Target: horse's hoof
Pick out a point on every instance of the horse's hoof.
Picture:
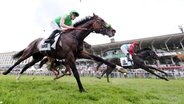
(55, 79)
(166, 79)
(5, 73)
(82, 90)
(98, 77)
(121, 69)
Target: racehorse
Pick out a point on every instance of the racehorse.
(138, 62)
(69, 47)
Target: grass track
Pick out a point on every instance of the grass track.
(43, 90)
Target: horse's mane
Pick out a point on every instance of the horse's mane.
(82, 21)
(143, 49)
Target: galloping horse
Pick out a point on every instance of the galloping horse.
(138, 60)
(69, 46)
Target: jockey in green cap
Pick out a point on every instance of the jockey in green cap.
(61, 24)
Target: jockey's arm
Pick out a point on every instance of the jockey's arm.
(132, 49)
(62, 24)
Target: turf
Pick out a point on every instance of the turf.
(43, 90)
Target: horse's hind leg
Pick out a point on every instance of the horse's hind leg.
(108, 72)
(158, 70)
(152, 72)
(107, 78)
(43, 61)
(18, 62)
(34, 60)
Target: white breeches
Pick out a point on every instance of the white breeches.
(124, 49)
(54, 25)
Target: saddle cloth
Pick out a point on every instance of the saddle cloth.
(42, 46)
(125, 62)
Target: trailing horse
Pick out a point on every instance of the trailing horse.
(69, 47)
(138, 62)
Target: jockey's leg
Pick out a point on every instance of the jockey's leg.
(50, 39)
(129, 57)
(125, 52)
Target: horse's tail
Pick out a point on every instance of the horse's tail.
(19, 54)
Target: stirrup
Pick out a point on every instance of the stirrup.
(49, 41)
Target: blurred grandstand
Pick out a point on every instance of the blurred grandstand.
(166, 46)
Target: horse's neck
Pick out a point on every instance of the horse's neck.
(82, 34)
(143, 54)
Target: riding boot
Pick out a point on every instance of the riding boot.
(128, 57)
(50, 39)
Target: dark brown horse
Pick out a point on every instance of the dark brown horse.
(69, 46)
(138, 60)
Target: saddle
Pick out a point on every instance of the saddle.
(43, 46)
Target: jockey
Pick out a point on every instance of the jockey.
(129, 49)
(61, 24)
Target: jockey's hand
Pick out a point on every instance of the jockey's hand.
(134, 54)
(66, 29)
(71, 27)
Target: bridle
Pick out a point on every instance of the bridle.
(104, 26)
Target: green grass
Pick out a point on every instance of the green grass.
(43, 90)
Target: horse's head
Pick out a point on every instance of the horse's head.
(100, 26)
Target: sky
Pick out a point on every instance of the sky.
(22, 21)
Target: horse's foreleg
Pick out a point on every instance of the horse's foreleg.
(157, 70)
(84, 54)
(71, 62)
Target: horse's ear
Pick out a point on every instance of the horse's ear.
(94, 15)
